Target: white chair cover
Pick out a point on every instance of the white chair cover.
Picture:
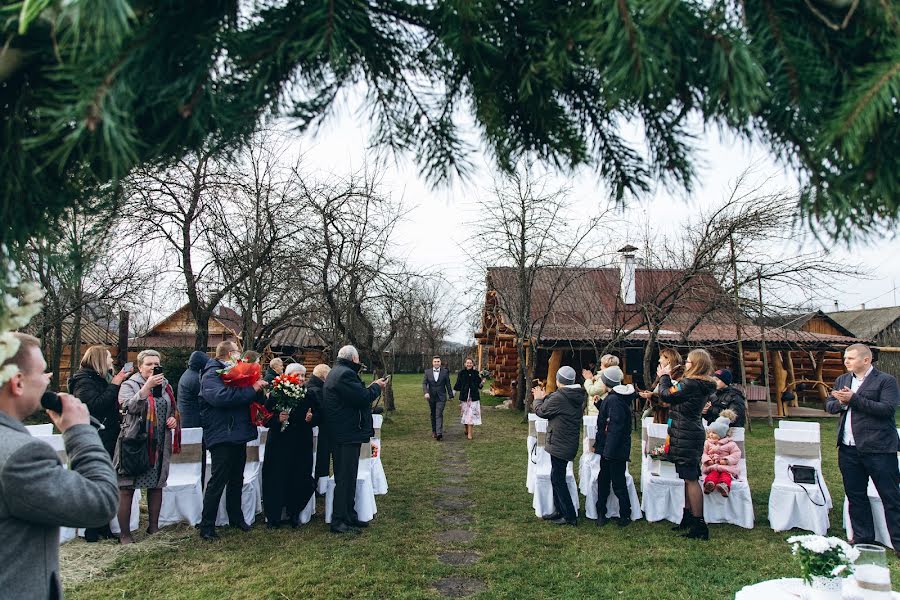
(882, 535)
(251, 492)
(66, 534)
(737, 508)
(365, 497)
(379, 479)
(589, 472)
(543, 490)
(805, 425)
(794, 504)
(535, 453)
(663, 495)
(182, 500)
(645, 451)
(589, 462)
(43, 430)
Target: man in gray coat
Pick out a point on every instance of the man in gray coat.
(562, 409)
(37, 493)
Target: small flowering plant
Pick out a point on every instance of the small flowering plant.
(660, 453)
(287, 392)
(821, 556)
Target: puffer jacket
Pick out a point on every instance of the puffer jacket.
(686, 433)
(714, 451)
(189, 390)
(347, 405)
(563, 409)
(224, 410)
(102, 400)
(728, 398)
(613, 439)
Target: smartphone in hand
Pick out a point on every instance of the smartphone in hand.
(128, 367)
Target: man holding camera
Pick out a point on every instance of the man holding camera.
(37, 493)
(867, 399)
(225, 416)
(347, 415)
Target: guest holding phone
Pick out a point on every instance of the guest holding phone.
(148, 403)
(96, 386)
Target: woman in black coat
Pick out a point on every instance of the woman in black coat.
(687, 399)
(287, 477)
(95, 385)
(468, 383)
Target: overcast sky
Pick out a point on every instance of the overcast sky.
(431, 234)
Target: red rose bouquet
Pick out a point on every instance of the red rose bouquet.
(241, 374)
(288, 392)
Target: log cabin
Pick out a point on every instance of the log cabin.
(583, 313)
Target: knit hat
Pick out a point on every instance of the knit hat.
(724, 375)
(565, 375)
(720, 426)
(611, 376)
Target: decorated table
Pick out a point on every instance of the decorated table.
(792, 589)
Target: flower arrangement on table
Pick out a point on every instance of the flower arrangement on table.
(821, 556)
(287, 392)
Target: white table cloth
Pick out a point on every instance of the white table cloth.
(789, 588)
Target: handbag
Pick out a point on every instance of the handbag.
(802, 474)
(134, 459)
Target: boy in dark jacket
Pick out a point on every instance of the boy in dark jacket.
(189, 390)
(725, 397)
(613, 444)
(225, 417)
(563, 409)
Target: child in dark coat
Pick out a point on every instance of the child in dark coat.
(613, 444)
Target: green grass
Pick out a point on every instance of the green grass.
(522, 557)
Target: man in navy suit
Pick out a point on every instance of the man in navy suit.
(437, 389)
(868, 443)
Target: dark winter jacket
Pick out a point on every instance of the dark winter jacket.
(224, 410)
(270, 375)
(189, 390)
(874, 405)
(347, 405)
(686, 433)
(613, 439)
(314, 393)
(728, 398)
(102, 400)
(563, 409)
(468, 381)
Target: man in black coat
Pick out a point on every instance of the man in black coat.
(436, 386)
(613, 444)
(867, 442)
(347, 415)
(189, 390)
(563, 410)
(725, 398)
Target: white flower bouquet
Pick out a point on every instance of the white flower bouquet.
(821, 556)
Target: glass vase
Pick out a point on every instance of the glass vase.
(873, 578)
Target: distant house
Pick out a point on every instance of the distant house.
(879, 324)
(301, 344)
(605, 306)
(92, 334)
(178, 330)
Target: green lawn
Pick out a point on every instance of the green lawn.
(522, 557)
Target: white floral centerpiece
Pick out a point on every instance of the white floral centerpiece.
(20, 302)
(823, 562)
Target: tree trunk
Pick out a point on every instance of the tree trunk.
(56, 354)
(75, 348)
(122, 356)
(201, 337)
(378, 371)
(520, 398)
(648, 361)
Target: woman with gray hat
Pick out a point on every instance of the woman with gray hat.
(613, 443)
(562, 409)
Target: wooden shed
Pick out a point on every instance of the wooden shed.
(301, 344)
(879, 324)
(178, 330)
(591, 315)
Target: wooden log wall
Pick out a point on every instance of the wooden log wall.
(499, 348)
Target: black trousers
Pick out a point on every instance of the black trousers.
(612, 474)
(227, 471)
(323, 454)
(346, 465)
(562, 501)
(856, 469)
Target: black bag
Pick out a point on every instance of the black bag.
(801, 474)
(134, 459)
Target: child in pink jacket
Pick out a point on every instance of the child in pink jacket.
(720, 456)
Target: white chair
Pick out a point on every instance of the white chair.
(645, 451)
(802, 425)
(882, 536)
(379, 479)
(737, 508)
(589, 473)
(542, 501)
(794, 504)
(365, 494)
(182, 500)
(251, 491)
(534, 453)
(43, 430)
(663, 494)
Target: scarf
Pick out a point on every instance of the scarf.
(152, 424)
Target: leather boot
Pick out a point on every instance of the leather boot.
(686, 519)
(698, 531)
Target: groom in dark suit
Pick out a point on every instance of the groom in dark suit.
(436, 386)
(867, 399)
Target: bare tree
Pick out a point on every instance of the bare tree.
(528, 228)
